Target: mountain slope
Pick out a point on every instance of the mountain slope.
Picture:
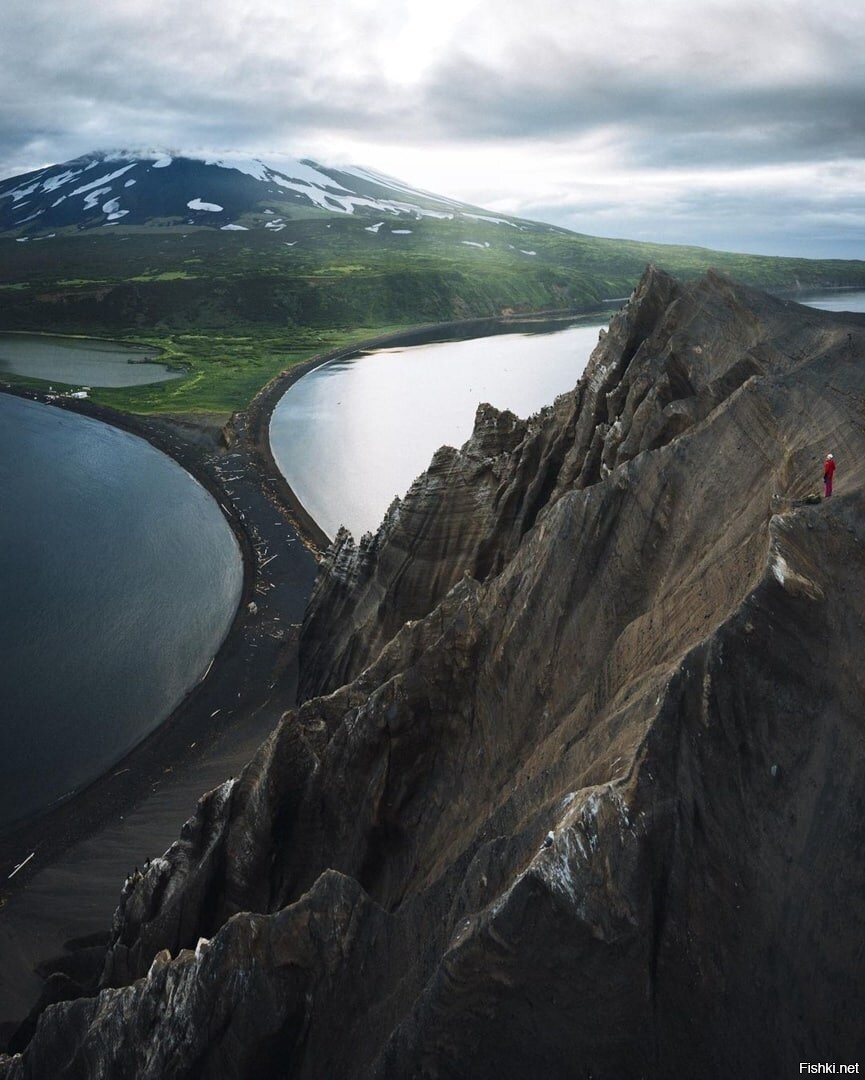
(234, 268)
(230, 193)
(591, 805)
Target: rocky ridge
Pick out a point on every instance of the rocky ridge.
(576, 786)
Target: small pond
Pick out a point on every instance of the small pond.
(81, 361)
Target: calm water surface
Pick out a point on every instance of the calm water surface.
(835, 300)
(353, 434)
(81, 361)
(119, 579)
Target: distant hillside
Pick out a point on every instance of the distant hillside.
(575, 784)
(208, 258)
(232, 194)
(124, 240)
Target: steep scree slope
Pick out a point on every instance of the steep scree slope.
(582, 795)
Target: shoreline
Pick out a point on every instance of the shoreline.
(61, 887)
(198, 448)
(147, 795)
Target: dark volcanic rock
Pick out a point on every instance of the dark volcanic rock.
(582, 791)
(672, 357)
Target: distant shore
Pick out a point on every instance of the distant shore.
(199, 448)
(136, 808)
(197, 445)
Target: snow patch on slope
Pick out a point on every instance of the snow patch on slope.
(93, 198)
(107, 179)
(491, 220)
(22, 193)
(54, 182)
(112, 209)
(395, 185)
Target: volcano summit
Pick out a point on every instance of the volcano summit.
(103, 189)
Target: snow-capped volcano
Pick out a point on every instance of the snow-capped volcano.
(229, 193)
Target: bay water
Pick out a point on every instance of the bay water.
(119, 578)
(353, 434)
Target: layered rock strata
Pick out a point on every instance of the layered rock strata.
(576, 789)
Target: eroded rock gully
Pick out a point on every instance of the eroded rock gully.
(577, 786)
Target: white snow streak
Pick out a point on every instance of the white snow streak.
(396, 185)
(54, 182)
(102, 180)
(492, 220)
(93, 198)
(197, 204)
(20, 193)
(324, 192)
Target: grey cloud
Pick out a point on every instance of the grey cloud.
(660, 120)
(181, 72)
(667, 86)
(180, 77)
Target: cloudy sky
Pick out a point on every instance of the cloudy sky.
(735, 124)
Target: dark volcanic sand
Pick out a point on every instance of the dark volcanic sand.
(86, 847)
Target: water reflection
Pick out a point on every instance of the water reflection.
(353, 434)
(81, 361)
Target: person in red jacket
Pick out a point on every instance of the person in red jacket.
(828, 473)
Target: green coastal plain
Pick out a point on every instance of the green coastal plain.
(234, 309)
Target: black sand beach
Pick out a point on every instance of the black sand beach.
(73, 859)
(79, 853)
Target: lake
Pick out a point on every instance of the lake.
(834, 299)
(81, 361)
(119, 579)
(352, 434)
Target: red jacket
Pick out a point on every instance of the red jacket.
(828, 469)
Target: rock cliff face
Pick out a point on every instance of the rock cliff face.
(576, 789)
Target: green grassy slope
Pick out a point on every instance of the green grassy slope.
(236, 307)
